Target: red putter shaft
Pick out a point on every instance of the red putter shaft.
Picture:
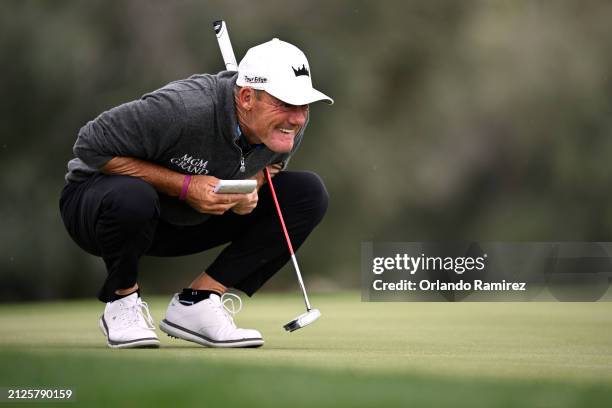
(278, 211)
(293, 258)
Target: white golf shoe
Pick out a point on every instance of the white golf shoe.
(127, 323)
(208, 323)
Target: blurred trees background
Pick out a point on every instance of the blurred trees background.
(485, 120)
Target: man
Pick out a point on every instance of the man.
(142, 184)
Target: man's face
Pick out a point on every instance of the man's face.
(276, 123)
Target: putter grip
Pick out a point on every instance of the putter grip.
(225, 45)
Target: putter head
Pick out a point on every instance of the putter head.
(303, 320)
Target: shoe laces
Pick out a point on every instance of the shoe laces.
(227, 307)
(135, 313)
(227, 300)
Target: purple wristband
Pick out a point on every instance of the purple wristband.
(186, 182)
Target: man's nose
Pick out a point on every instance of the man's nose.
(299, 115)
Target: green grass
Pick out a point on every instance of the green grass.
(357, 355)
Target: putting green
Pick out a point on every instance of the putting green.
(357, 354)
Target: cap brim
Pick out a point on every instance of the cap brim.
(306, 98)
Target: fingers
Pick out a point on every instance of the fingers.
(275, 169)
(247, 205)
(216, 209)
(213, 203)
(220, 198)
(239, 203)
(205, 200)
(243, 210)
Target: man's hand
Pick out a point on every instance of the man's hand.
(261, 178)
(202, 198)
(248, 204)
(275, 169)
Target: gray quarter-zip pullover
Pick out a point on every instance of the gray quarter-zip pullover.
(188, 126)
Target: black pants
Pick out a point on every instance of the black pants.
(117, 218)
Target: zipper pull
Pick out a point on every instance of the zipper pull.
(242, 166)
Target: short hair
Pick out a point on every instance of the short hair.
(258, 92)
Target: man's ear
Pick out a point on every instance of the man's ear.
(246, 97)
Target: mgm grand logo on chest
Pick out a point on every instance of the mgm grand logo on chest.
(191, 164)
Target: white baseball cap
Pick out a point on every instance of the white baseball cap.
(282, 70)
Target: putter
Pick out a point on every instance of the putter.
(231, 65)
(311, 314)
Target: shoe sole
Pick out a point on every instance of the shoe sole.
(145, 342)
(178, 332)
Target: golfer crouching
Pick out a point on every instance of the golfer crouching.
(142, 182)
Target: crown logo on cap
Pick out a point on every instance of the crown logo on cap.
(301, 71)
